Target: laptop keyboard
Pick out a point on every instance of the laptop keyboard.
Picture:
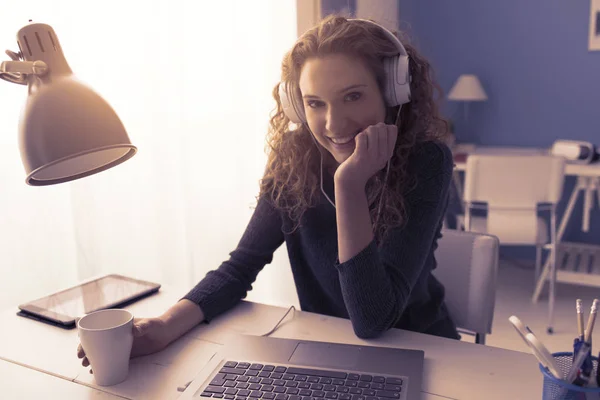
(246, 381)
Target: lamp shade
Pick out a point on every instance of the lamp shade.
(67, 132)
(467, 88)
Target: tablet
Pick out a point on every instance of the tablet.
(65, 307)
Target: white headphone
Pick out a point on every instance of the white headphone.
(397, 81)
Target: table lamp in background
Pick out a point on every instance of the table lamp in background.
(466, 89)
(67, 131)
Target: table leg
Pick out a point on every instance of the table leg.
(581, 185)
(553, 268)
(587, 204)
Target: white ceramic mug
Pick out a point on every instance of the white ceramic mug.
(107, 337)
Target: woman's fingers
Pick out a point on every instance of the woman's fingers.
(80, 352)
(382, 144)
(381, 139)
(362, 143)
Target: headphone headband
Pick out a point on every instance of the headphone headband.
(396, 89)
(388, 34)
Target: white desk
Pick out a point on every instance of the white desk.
(18, 382)
(452, 369)
(588, 178)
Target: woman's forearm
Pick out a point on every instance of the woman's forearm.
(180, 318)
(354, 227)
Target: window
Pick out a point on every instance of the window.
(192, 83)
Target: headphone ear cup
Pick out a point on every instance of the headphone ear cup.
(397, 82)
(292, 109)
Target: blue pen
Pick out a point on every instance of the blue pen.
(575, 373)
(598, 373)
(586, 366)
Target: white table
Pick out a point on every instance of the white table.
(452, 369)
(588, 178)
(588, 183)
(18, 382)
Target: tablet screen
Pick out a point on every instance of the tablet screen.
(105, 292)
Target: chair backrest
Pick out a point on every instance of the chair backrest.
(467, 266)
(515, 181)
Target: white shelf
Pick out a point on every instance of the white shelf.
(578, 264)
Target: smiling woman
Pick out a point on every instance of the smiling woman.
(184, 98)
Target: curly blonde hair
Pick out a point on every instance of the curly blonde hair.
(292, 176)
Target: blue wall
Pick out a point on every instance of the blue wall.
(532, 59)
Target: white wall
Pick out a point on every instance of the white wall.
(383, 11)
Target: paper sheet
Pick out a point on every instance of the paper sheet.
(245, 319)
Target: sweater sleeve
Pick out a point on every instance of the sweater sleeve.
(377, 282)
(224, 287)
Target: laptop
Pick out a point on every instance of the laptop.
(255, 367)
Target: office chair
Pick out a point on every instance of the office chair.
(467, 266)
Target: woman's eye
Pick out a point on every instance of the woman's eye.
(314, 103)
(353, 96)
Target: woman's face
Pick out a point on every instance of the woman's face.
(341, 98)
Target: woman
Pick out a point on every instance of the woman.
(357, 189)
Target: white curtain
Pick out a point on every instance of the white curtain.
(192, 82)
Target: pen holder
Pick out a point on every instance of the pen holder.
(558, 389)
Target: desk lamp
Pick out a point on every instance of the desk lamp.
(66, 131)
(467, 88)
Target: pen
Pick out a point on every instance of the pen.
(582, 366)
(578, 362)
(590, 325)
(579, 319)
(598, 373)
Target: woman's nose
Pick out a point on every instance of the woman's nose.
(337, 121)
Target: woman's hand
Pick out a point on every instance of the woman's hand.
(374, 147)
(149, 336)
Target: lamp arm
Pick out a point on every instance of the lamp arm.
(14, 78)
(17, 71)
